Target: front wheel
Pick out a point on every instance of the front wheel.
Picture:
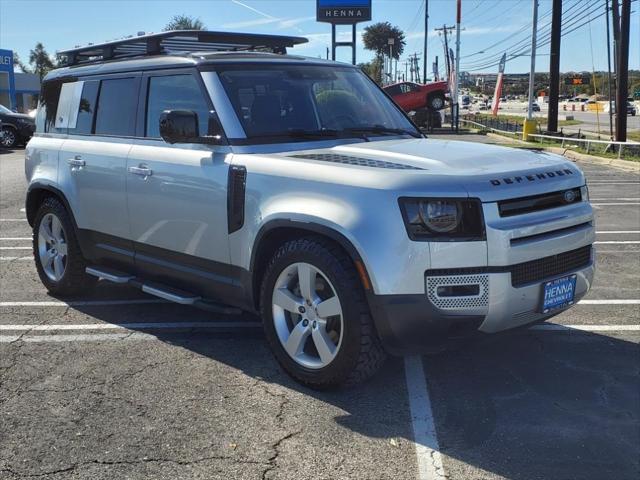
(316, 319)
(8, 137)
(59, 261)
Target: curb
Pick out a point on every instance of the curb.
(625, 165)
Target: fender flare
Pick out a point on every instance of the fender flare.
(38, 187)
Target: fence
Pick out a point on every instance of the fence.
(629, 150)
(490, 123)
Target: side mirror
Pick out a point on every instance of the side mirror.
(179, 126)
(182, 126)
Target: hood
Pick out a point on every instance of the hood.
(20, 116)
(489, 172)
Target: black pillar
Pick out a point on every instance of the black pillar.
(623, 72)
(554, 67)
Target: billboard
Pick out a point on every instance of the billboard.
(343, 12)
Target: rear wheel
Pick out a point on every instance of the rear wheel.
(58, 258)
(436, 101)
(316, 318)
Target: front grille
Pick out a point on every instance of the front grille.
(536, 203)
(538, 270)
(528, 272)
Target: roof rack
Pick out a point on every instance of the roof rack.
(180, 41)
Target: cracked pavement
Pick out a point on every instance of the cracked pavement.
(193, 404)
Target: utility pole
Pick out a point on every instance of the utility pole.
(457, 77)
(445, 30)
(530, 124)
(623, 72)
(554, 66)
(606, 17)
(426, 38)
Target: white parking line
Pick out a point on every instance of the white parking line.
(13, 219)
(618, 199)
(16, 248)
(613, 204)
(616, 231)
(144, 301)
(618, 241)
(613, 183)
(554, 327)
(609, 302)
(104, 337)
(11, 259)
(129, 326)
(424, 428)
(15, 239)
(84, 303)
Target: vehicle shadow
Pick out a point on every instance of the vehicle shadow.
(532, 405)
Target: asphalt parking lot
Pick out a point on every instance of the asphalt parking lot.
(121, 385)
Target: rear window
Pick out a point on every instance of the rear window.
(117, 104)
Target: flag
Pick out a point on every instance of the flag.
(498, 93)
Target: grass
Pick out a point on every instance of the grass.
(513, 118)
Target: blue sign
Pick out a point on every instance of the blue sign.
(343, 11)
(7, 79)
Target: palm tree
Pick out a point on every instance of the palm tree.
(40, 61)
(376, 38)
(184, 22)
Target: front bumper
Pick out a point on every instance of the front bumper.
(417, 323)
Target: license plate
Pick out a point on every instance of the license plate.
(558, 293)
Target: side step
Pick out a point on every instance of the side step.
(162, 291)
(109, 274)
(171, 294)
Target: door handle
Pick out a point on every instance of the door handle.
(76, 161)
(142, 171)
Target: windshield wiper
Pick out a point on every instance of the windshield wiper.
(300, 133)
(382, 130)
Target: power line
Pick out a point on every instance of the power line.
(590, 10)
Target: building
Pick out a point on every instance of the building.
(18, 91)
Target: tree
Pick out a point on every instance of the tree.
(40, 61)
(376, 38)
(373, 69)
(184, 22)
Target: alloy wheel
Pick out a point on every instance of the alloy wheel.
(307, 315)
(52, 247)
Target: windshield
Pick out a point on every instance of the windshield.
(282, 102)
(4, 109)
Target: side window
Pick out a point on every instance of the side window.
(86, 108)
(174, 92)
(49, 98)
(117, 104)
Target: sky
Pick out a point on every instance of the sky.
(490, 27)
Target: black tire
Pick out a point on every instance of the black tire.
(9, 137)
(75, 280)
(361, 354)
(436, 101)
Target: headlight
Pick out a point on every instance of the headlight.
(443, 219)
(584, 193)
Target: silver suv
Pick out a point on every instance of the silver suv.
(239, 178)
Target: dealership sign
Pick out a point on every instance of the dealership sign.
(343, 11)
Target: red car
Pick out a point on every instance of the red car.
(414, 96)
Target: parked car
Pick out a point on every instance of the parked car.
(294, 188)
(17, 128)
(414, 96)
(631, 108)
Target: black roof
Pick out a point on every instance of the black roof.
(175, 41)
